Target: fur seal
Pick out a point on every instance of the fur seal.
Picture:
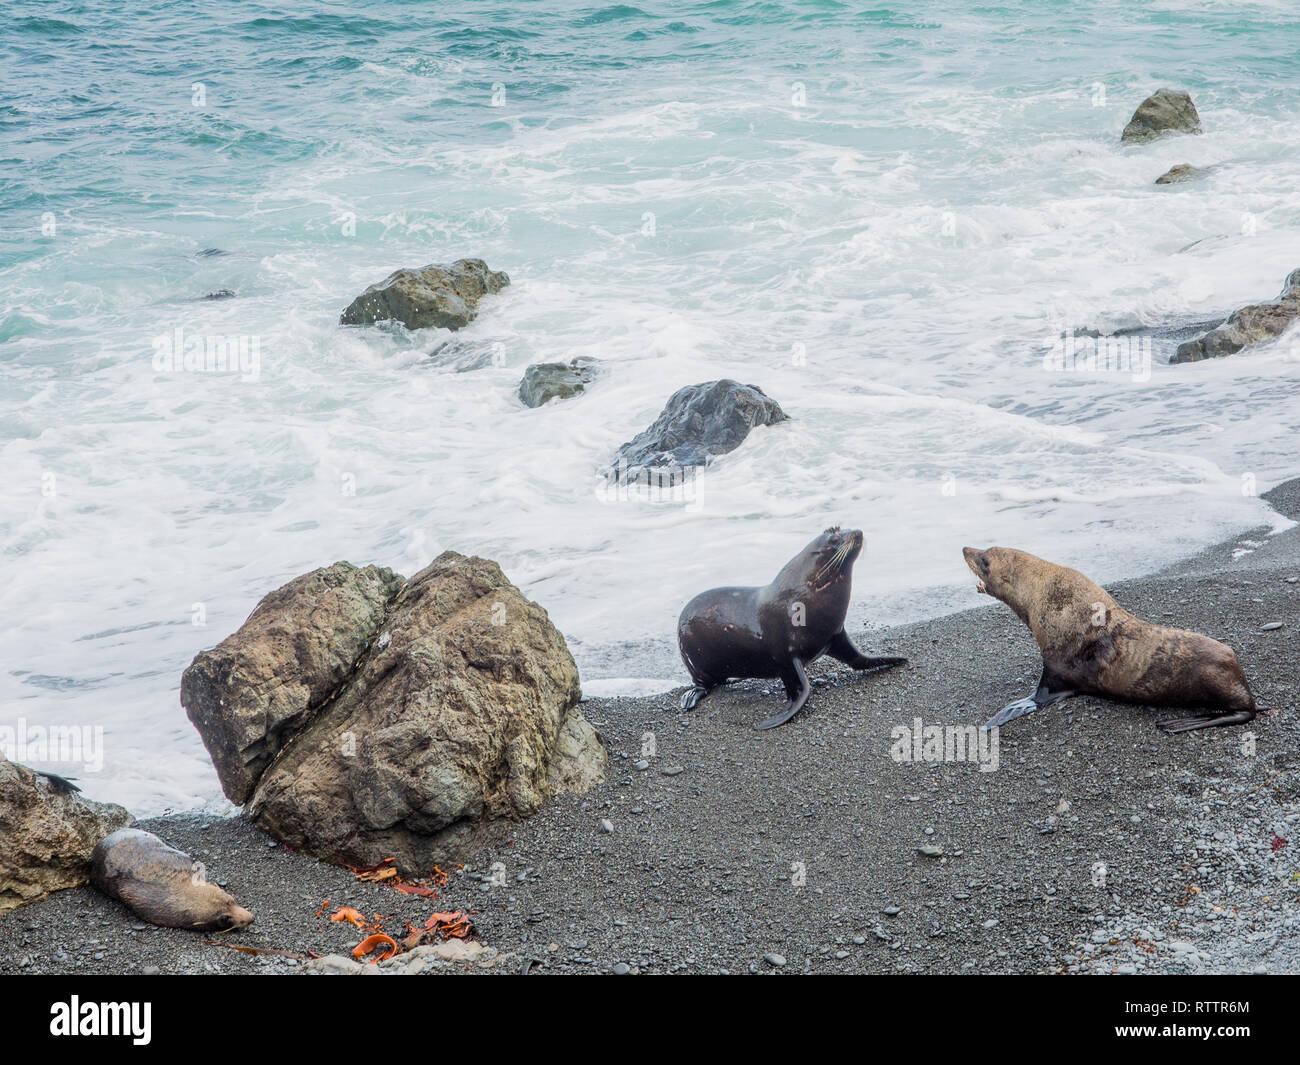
(1093, 646)
(161, 884)
(777, 630)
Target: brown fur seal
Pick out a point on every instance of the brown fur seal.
(1093, 646)
(777, 630)
(161, 884)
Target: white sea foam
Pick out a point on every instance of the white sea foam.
(888, 261)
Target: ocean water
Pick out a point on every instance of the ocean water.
(879, 213)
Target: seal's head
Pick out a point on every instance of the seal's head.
(229, 918)
(833, 554)
(209, 909)
(998, 570)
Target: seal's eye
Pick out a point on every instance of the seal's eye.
(225, 921)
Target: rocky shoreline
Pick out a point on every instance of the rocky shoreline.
(400, 726)
(1098, 844)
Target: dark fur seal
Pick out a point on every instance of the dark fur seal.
(1093, 646)
(161, 884)
(776, 631)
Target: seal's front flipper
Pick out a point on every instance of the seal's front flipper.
(842, 650)
(1011, 711)
(1044, 696)
(1207, 720)
(797, 687)
(692, 697)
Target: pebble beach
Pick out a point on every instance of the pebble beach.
(1096, 845)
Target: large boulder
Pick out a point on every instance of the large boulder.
(1164, 112)
(458, 718)
(697, 423)
(1246, 325)
(444, 297)
(255, 690)
(49, 831)
(545, 381)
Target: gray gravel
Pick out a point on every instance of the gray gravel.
(1098, 845)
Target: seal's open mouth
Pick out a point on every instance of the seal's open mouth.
(978, 566)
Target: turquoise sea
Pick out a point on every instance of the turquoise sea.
(881, 214)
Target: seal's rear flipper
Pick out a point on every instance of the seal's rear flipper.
(797, 687)
(880, 663)
(1206, 720)
(841, 649)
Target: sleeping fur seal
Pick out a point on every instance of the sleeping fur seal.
(161, 884)
(1091, 645)
(777, 630)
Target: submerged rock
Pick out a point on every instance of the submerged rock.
(1175, 175)
(461, 354)
(433, 296)
(1164, 112)
(50, 831)
(545, 381)
(1246, 325)
(418, 719)
(220, 294)
(697, 423)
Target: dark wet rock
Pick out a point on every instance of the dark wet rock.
(415, 720)
(434, 296)
(1254, 324)
(697, 423)
(49, 830)
(1176, 175)
(210, 253)
(545, 381)
(1165, 336)
(1161, 114)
